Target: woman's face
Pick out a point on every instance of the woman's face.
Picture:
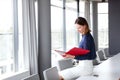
(80, 28)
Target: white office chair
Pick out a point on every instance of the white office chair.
(32, 77)
(101, 55)
(51, 74)
(97, 60)
(65, 63)
(106, 51)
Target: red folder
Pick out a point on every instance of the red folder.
(77, 51)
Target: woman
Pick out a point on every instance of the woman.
(85, 66)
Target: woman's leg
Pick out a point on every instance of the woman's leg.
(61, 78)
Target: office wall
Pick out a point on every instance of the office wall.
(114, 26)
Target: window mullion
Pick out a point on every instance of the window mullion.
(15, 21)
(64, 25)
(78, 12)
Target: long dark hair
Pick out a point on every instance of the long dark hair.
(83, 21)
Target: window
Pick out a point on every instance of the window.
(6, 37)
(82, 8)
(103, 25)
(56, 28)
(71, 4)
(71, 32)
(11, 37)
(57, 3)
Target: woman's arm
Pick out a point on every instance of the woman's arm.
(68, 56)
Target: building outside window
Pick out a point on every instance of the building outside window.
(103, 29)
(57, 27)
(11, 37)
(71, 32)
(6, 37)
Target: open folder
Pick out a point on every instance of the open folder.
(74, 51)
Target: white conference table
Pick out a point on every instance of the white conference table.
(107, 70)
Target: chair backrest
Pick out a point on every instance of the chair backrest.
(96, 62)
(51, 74)
(64, 64)
(32, 77)
(101, 55)
(106, 51)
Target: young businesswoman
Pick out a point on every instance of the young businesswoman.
(85, 66)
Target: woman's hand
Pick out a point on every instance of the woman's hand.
(68, 56)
